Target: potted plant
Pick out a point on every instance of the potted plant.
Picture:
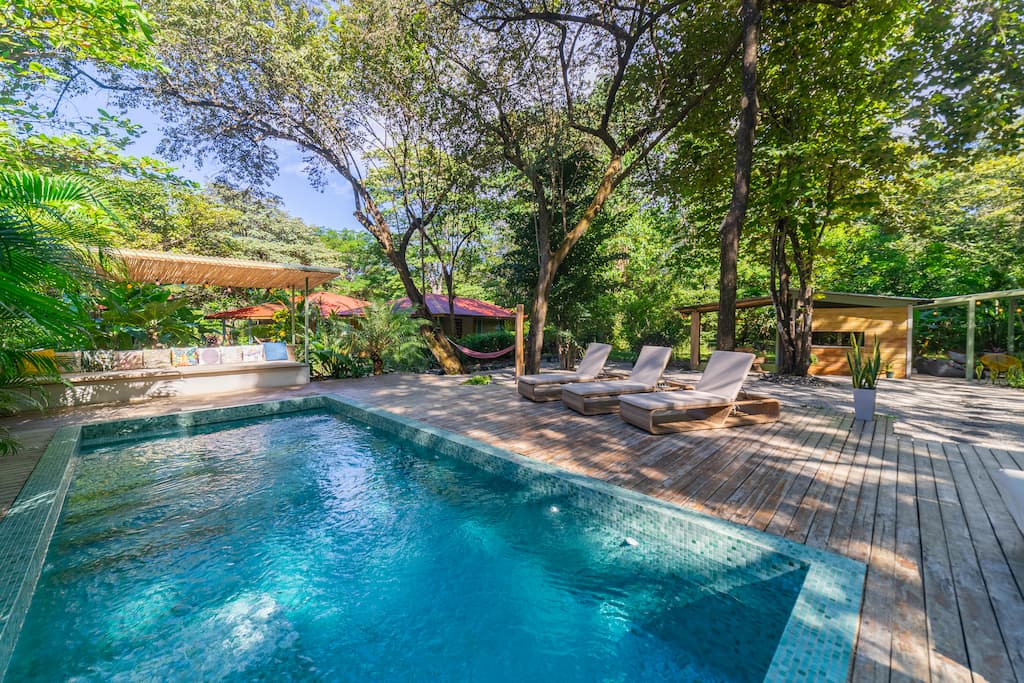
(865, 375)
(889, 372)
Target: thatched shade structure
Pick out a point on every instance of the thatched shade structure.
(168, 268)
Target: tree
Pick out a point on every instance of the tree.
(732, 225)
(344, 85)
(610, 78)
(827, 138)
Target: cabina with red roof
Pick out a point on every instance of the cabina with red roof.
(471, 316)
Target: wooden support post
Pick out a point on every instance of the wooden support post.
(305, 324)
(1011, 314)
(293, 314)
(223, 332)
(248, 327)
(910, 342)
(969, 370)
(520, 346)
(694, 340)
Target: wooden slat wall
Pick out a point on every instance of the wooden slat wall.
(890, 324)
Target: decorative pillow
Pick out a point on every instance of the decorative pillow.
(181, 357)
(209, 356)
(69, 361)
(156, 358)
(231, 354)
(252, 353)
(127, 360)
(31, 368)
(97, 361)
(275, 350)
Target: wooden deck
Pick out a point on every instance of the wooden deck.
(944, 593)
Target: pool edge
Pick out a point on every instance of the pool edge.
(26, 531)
(829, 602)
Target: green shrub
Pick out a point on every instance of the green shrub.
(488, 342)
(478, 380)
(1015, 378)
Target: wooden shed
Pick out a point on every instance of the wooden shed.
(837, 315)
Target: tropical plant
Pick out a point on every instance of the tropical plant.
(331, 354)
(386, 336)
(136, 316)
(863, 372)
(46, 226)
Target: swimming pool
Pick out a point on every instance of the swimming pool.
(329, 541)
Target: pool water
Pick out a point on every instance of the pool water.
(308, 547)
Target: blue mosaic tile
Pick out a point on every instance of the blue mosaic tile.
(818, 639)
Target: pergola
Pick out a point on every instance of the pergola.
(189, 269)
(823, 299)
(971, 301)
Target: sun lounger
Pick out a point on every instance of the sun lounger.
(596, 398)
(548, 386)
(715, 402)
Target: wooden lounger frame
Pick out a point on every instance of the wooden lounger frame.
(747, 409)
(593, 405)
(553, 392)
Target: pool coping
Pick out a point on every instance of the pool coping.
(816, 644)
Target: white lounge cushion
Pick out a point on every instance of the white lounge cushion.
(610, 388)
(593, 360)
(675, 400)
(551, 378)
(1011, 486)
(725, 373)
(650, 365)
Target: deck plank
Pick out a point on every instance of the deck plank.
(944, 589)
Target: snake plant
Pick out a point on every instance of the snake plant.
(863, 372)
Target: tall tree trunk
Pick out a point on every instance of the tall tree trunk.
(794, 306)
(732, 225)
(548, 260)
(539, 312)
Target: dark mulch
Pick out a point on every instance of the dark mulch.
(793, 380)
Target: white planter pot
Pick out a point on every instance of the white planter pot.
(864, 404)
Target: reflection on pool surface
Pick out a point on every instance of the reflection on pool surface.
(309, 547)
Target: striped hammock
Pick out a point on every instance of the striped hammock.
(480, 355)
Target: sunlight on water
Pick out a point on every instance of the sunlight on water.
(308, 548)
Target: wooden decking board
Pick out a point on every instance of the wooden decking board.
(988, 658)
(852, 489)
(1004, 598)
(819, 503)
(947, 650)
(775, 469)
(758, 510)
(982, 462)
(909, 656)
(738, 487)
(780, 520)
(875, 529)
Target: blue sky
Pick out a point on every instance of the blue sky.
(332, 207)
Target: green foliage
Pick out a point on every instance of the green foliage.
(143, 316)
(864, 373)
(1015, 378)
(477, 380)
(331, 351)
(387, 338)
